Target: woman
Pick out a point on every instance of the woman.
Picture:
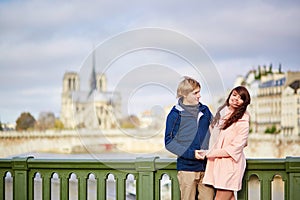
(226, 161)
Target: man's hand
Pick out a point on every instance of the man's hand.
(200, 154)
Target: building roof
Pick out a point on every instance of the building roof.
(273, 83)
(295, 85)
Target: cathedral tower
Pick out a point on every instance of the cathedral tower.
(71, 83)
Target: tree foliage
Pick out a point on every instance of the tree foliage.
(46, 121)
(25, 121)
(1, 128)
(58, 124)
(272, 130)
(131, 121)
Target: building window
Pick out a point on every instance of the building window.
(100, 85)
(70, 84)
(74, 84)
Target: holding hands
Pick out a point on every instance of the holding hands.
(200, 154)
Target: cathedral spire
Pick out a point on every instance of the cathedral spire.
(93, 80)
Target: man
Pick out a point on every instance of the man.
(187, 131)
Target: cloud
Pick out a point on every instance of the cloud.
(41, 40)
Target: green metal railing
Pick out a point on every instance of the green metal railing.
(147, 172)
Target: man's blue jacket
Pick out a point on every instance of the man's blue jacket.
(185, 144)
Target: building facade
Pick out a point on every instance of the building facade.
(95, 108)
(290, 109)
(275, 107)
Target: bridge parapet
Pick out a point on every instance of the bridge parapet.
(101, 179)
(140, 133)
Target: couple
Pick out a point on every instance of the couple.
(210, 161)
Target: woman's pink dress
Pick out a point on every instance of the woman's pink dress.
(226, 169)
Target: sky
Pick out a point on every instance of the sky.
(144, 47)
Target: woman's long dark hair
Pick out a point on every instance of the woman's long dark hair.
(238, 112)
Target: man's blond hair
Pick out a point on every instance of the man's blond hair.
(186, 86)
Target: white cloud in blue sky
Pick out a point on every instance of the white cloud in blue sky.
(41, 40)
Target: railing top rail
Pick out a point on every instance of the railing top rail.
(140, 164)
(288, 163)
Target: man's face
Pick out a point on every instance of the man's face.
(192, 98)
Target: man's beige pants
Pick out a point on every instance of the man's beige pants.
(189, 182)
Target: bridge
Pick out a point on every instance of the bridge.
(129, 141)
(81, 141)
(27, 178)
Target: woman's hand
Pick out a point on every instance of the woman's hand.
(200, 154)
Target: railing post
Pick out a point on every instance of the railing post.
(20, 170)
(64, 186)
(293, 170)
(121, 186)
(243, 193)
(46, 186)
(145, 168)
(82, 186)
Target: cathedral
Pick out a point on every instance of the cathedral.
(92, 108)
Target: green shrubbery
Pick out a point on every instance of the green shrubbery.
(272, 130)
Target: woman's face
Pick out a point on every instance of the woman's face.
(192, 98)
(235, 100)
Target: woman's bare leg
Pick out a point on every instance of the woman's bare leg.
(224, 195)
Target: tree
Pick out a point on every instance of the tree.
(258, 76)
(279, 70)
(58, 124)
(1, 128)
(131, 121)
(25, 121)
(265, 70)
(271, 130)
(270, 69)
(46, 121)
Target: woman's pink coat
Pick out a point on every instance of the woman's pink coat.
(226, 169)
